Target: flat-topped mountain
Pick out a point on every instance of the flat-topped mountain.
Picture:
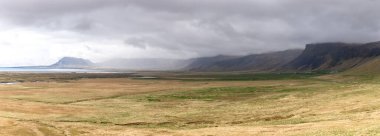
(334, 56)
(71, 62)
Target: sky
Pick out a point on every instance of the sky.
(39, 32)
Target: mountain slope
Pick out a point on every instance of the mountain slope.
(370, 66)
(71, 62)
(334, 56)
(256, 62)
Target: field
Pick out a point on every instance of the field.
(189, 104)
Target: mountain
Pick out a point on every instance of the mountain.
(334, 56)
(71, 62)
(256, 62)
(145, 64)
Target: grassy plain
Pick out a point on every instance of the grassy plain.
(189, 104)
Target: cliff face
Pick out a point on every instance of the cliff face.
(334, 56)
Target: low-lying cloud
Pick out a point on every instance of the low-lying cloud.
(45, 30)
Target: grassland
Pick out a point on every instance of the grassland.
(189, 104)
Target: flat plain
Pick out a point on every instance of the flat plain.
(188, 104)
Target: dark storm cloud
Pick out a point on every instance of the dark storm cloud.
(204, 27)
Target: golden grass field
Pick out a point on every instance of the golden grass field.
(89, 104)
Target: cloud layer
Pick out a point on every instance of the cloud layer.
(41, 31)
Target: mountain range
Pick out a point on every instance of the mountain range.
(333, 56)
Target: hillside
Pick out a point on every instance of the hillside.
(369, 67)
(257, 62)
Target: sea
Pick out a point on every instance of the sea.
(51, 70)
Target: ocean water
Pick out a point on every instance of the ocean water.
(48, 70)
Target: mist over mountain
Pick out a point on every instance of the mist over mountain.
(144, 64)
(255, 62)
(207, 63)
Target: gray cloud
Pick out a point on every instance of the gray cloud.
(202, 27)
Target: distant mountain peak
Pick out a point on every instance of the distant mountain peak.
(72, 62)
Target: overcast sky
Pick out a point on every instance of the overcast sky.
(39, 32)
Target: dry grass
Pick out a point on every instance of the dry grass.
(327, 105)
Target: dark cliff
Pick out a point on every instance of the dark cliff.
(334, 56)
